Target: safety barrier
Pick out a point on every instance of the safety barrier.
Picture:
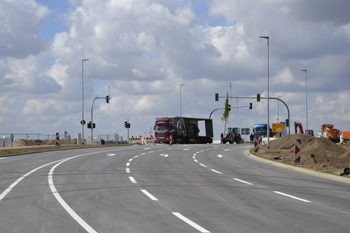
(297, 151)
(256, 144)
(141, 140)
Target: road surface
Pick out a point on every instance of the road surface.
(179, 188)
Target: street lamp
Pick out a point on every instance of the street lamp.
(82, 99)
(180, 97)
(268, 93)
(307, 127)
(278, 107)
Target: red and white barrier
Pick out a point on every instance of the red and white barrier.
(141, 140)
(57, 139)
(256, 144)
(171, 140)
(297, 151)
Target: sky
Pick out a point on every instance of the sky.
(141, 51)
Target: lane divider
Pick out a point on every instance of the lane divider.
(287, 195)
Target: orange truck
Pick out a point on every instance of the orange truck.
(346, 136)
(328, 131)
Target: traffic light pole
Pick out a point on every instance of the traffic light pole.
(92, 116)
(274, 98)
(229, 108)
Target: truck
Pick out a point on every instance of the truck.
(346, 136)
(261, 130)
(229, 136)
(182, 130)
(328, 131)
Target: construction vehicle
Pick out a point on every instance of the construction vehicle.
(346, 136)
(298, 125)
(328, 131)
(182, 130)
(233, 135)
(309, 131)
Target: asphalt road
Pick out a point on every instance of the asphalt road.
(179, 188)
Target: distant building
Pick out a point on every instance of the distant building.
(116, 137)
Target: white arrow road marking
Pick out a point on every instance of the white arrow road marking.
(109, 154)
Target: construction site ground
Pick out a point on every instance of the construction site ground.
(318, 154)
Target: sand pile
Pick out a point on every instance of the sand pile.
(316, 153)
(36, 142)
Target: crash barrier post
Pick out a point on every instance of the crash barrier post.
(256, 144)
(297, 150)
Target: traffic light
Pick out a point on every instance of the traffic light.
(287, 122)
(250, 105)
(89, 125)
(258, 97)
(216, 96)
(125, 124)
(93, 125)
(229, 107)
(128, 125)
(107, 99)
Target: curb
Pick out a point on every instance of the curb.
(299, 169)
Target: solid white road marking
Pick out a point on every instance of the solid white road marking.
(191, 223)
(242, 181)
(72, 213)
(2, 158)
(287, 195)
(132, 179)
(153, 198)
(202, 165)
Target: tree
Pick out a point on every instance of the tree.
(226, 113)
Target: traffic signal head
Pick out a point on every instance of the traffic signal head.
(125, 124)
(258, 97)
(93, 125)
(89, 125)
(250, 105)
(229, 107)
(107, 99)
(287, 122)
(128, 125)
(216, 96)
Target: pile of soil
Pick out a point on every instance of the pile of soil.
(38, 142)
(318, 154)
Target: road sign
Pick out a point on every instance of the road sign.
(245, 131)
(278, 127)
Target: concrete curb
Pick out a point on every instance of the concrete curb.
(299, 169)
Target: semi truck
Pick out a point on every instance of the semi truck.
(261, 130)
(182, 130)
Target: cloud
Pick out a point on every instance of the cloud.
(20, 22)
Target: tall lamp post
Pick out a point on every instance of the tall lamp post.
(180, 97)
(82, 99)
(268, 93)
(307, 127)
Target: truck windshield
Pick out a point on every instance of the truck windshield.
(161, 127)
(260, 130)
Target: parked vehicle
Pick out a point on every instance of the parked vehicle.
(261, 130)
(182, 130)
(328, 131)
(309, 131)
(229, 136)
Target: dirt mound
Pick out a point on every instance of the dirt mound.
(38, 142)
(316, 153)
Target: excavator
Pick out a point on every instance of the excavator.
(328, 131)
(298, 125)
